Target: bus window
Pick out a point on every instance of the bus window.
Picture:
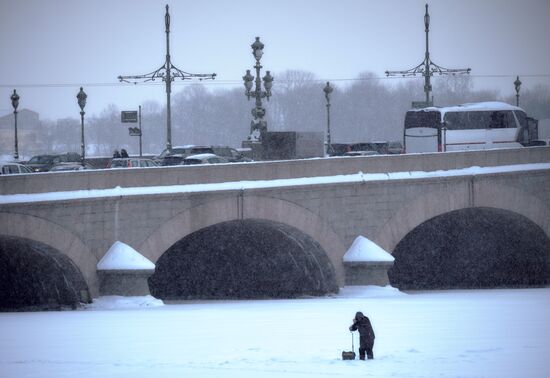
(499, 120)
(522, 119)
(511, 120)
(523, 134)
(415, 119)
(457, 121)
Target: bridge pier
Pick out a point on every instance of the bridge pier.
(124, 271)
(367, 273)
(129, 283)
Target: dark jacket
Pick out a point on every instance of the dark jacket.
(362, 323)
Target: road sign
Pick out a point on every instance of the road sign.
(134, 131)
(129, 116)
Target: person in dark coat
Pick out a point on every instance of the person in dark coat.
(116, 155)
(123, 153)
(366, 335)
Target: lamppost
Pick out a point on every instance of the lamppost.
(258, 127)
(167, 73)
(81, 96)
(427, 67)
(328, 90)
(517, 84)
(15, 103)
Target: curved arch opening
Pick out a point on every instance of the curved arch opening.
(243, 259)
(472, 248)
(34, 276)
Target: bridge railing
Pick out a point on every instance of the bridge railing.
(181, 175)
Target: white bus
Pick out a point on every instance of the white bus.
(474, 126)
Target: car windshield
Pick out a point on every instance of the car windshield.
(42, 159)
(201, 150)
(178, 150)
(119, 163)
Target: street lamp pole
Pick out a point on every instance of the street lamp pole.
(328, 90)
(427, 67)
(517, 85)
(167, 73)
(81, 97)
(258, 127)
(15, 104)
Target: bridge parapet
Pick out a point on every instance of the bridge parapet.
(182, 175)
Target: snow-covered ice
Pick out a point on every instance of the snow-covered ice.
(118, 302)
(483, 333)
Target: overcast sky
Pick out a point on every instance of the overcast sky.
(51, 47)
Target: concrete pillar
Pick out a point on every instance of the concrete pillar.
(124, 271)
(367, 273)
(124, 282)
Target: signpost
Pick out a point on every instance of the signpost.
(129, 116)
(132, 116)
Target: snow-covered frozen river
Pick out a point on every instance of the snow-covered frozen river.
(484, 333)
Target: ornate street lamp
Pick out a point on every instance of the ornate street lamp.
(167, 73)
(427, 67)
(81, 96)
(517, 84)
(258, 127)
(328, 90)
(15, 103)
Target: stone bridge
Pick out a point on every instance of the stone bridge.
(281, 228)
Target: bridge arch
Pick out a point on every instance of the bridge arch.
(28, 240)
(247, 207)
(436, 242)
(450, 198)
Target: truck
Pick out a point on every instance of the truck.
(288, 145)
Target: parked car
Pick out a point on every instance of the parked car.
(539, 142)
(380, 147)
(231, 154)
(133, 162)
(70, 167)
(204, 159)
(395, 148)
(176, 155)
(9, 168)
(339, 149)
(43, 163)
(361, 153)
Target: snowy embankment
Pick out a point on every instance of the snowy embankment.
(117, 302)
(484, 333)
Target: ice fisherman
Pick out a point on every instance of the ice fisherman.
(366, 335)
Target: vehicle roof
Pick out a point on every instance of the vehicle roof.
(365, 152)
(132, 158)
(470, 107)
(186, 146)
(3, 162)
(201, 156)
(66, 164)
